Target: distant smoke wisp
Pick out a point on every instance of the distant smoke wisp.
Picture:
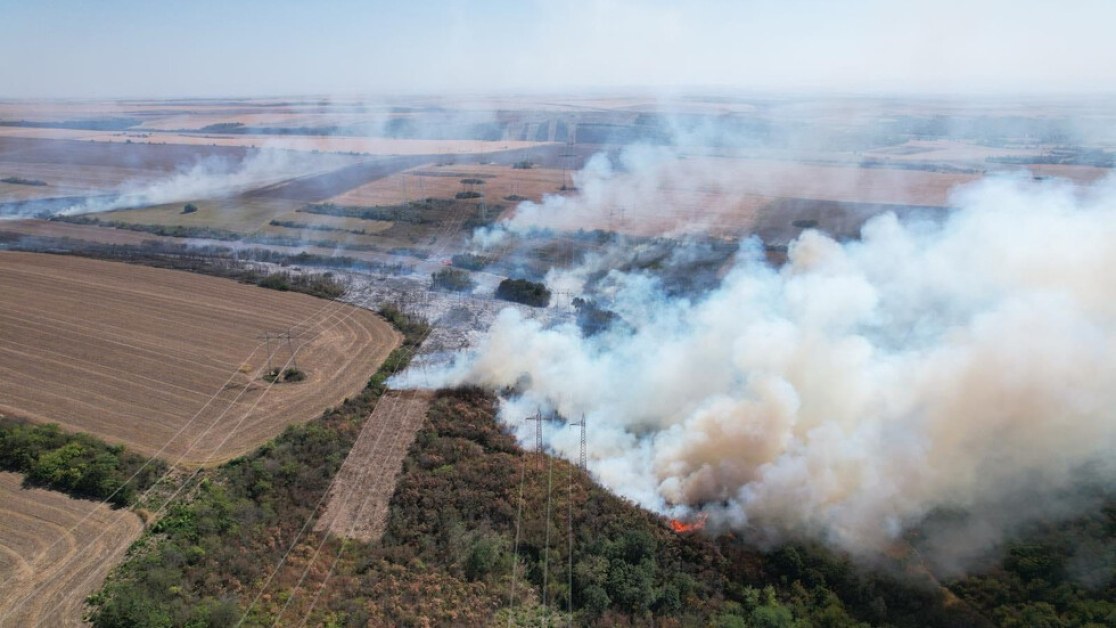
(212, 177)
(862, 387)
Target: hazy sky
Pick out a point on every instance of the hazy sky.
(342, 47)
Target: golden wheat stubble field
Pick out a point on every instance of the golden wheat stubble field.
(54, 551)
(169, 362)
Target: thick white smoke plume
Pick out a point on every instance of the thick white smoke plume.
(968, 365)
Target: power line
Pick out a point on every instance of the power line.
(546, 547)
(137, 472)
(310, 518)
(216, 449)
(570, 548)
(515, 548)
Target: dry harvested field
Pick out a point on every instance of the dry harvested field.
(67, 180)
(444, 181)
(358, 501)
(46, 568)
(245, 215)
(89, 233)
(168, 362)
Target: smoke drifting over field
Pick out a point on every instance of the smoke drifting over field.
(209, 178)
(961, 366)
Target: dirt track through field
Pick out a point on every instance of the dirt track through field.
(358, 502)
(30, 560)
(132, 354)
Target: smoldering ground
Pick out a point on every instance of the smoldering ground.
(861, 390)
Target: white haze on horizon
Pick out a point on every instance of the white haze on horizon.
(967, 365)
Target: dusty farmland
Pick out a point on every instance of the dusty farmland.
(170, 362)
(444, 181)
(54, 551)
(358, 502)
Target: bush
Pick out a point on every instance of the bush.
(78, 464)
(287, 375)
(23, 181)
(452, 279)
(470, 261)
(320, 285)
(189, 208)
(274, 281)
(523, 291)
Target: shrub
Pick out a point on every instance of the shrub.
(523, 291)
(470, 261)
(287, 375)
(452, 279)
(78, 464)
(23, 181)
(274, 281)
(189, 208)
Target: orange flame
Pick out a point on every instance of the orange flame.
(681, 527)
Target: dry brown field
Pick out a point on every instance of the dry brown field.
(87, 233)
(444, 181)
(55, 551)
(168, 362)
(66, 180)
(357, 505)
(246, 215)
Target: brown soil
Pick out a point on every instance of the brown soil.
(170, 363)
(500, 182)
(358, 502)
(55, 551)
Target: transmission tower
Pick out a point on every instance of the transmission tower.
(568, 157)
(538, 419)
(582, 423)
(291, 350)
(267, 339)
